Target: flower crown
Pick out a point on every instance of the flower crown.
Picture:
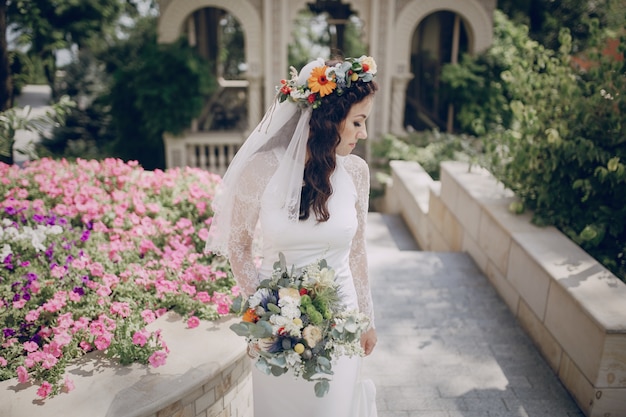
(325, 80)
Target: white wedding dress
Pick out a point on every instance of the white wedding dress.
(341, 241)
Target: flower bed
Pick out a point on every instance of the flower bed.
(91, 253)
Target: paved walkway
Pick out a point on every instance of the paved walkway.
(448, 346)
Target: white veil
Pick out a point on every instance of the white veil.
(286, 125)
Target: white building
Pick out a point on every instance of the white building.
(410, 40)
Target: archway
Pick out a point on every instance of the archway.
(439, 39)
(478, 27)
(172, 24)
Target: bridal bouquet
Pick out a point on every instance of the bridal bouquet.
(296, 321)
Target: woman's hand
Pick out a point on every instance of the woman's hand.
(368, 341)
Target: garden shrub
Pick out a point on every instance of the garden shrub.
(428, 148)
(553, 134)
(90, 253)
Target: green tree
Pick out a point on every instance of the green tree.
(554, 135)
(6, 87)
(545, 18)
(45, 27)
(87, 132)
(155, 88)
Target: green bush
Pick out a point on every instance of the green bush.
(155, 88)
(428, 148)
(554, 135)
(129, 94)
(87, 132)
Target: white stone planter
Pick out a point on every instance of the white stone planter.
(207, 374)
(571, 306)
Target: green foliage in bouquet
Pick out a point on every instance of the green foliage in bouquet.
(295, 321)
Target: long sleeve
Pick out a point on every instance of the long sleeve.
(245, 215)
(359, 171)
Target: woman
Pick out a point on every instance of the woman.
(296, 178)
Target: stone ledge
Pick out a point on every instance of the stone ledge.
(207, 374)
(570, 305)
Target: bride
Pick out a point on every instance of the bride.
(296, 183)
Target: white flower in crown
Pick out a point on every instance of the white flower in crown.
(369, 65)
(298, 94)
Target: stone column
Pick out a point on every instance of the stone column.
(175, 151)
(398, 102)
(255, 100)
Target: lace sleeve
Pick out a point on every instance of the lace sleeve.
(359, 171)
(245, 214)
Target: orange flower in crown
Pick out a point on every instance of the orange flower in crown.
(324, 81)
(320, 83)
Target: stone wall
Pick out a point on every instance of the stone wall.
(570, 305)
(207, 374)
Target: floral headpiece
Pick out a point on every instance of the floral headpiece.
(324, 80)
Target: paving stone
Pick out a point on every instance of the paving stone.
(448, 345)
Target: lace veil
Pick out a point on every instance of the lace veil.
(285, 125)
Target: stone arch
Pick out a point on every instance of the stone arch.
(479, 24)
(480, 32)
(174, 15)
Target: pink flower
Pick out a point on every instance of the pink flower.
(54, 348)
(157, 358)
(223, 302)
(140, 338)
(203, 233)
(79, 263)
(188, 289)
(201, 206)
(45, 332)
(146, 246)
(203, 297)
(68, 385)
(236, 290)
(148, 316)
(122, 309)
(35, 287)
(22, 374)
(193, 322)
(80, 324)
(19, 304)
(103, 291)
(86, 346)
(57, 271)
(32, 315)
(154, 208)
(29, 362)
(54, 305)
(64, 321)
(45, 389)
(3, 362)
(48, 361)
(96, 269)
(103, 341)
(30, 346)
(110, 280)
(9, 342)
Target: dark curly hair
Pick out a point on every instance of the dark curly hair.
(324, 138)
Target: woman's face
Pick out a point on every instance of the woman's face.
(353, 127)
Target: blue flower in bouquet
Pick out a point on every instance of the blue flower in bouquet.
(296, 322)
